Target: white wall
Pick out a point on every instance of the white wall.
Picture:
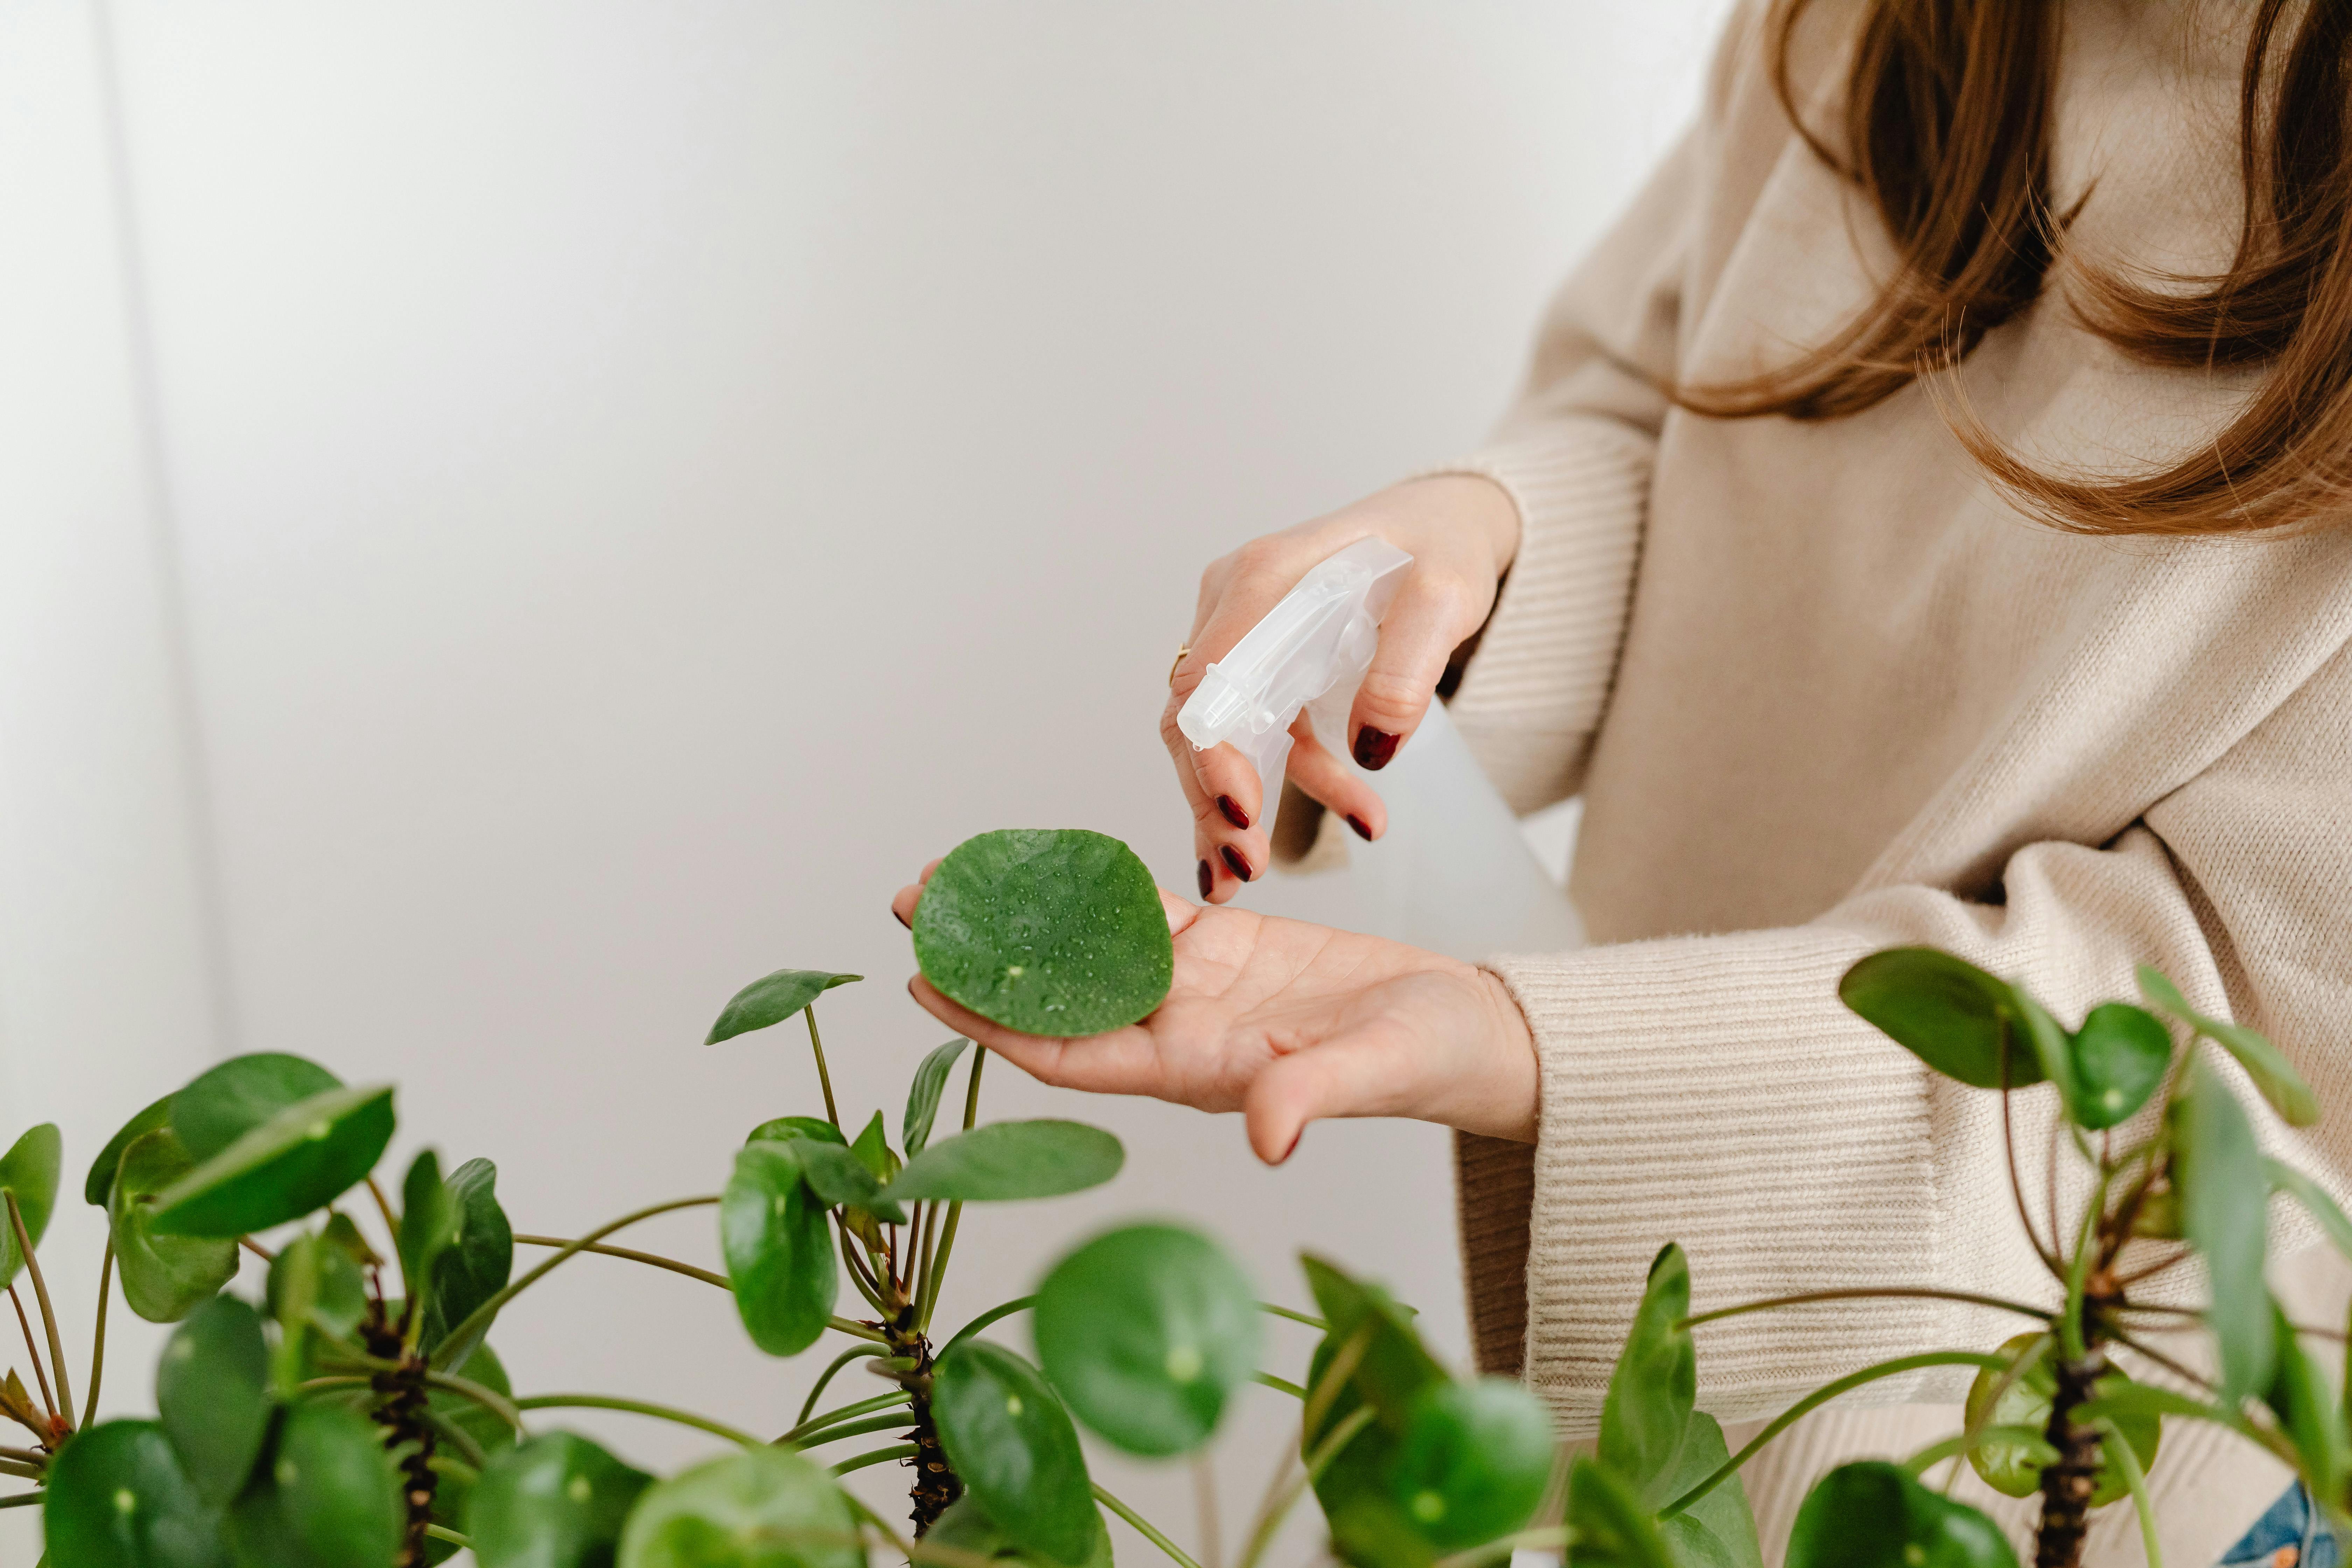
(517, 519)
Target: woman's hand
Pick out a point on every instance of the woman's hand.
(1287, 1022)
(1461, 532)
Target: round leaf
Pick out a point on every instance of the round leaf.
(1950, 1014)
(327, 1492)
(302, 1159)
(100, 1179)
(762, 1507)
(1146, 1331)
(557, 1501)
(774, 1234)
(337, 1289)
(1004, 1160)
(116, 1495)
(162, 1275)
(220, 1107)
(2121, 1054)
(1873, 1515)
(1049, 932)
(773, 998)
(30, 1169)
(2014, 1469)
(476, 1264)
(1475, 1461)
(212, 1391)
(966, 1527)
(784, 1129)
(1012, 1443)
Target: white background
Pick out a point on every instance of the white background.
(516, 519)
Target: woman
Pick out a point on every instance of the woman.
(1925, 522)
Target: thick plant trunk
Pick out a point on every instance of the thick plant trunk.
(400, 1410)
(2066, 1486)
(935, 1485)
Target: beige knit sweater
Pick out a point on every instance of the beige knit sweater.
(1824, 691)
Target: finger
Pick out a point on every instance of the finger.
(1122, 1062)
(1429, 620)
(903, 902)
(1210, 872)
(1230, 832)
(1369, 1071)
(1315, 770)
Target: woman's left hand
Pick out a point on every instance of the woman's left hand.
(1287, 1022)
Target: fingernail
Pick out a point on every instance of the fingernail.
(1363, 829)
(1233, 861)
(1208, 878)
(910, 925)
(1374, 748)
(1233, 814)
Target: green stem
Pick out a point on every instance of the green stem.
(633, 1256)
(859, 1276)
(874, 1456)
(928, 1291)
(49, 1313)
(24, 1499)
(1018, 1304)
(2119, 1449)
(25, 1472)
(479, 1318)
(1272, 1310)
(824, 1078)
(638, 1407)
(1270, 1519)
(853, 1353)
(1815, 1400)
(1548, 1538)
(1144, 1527)
(489, 1399)
(98, 1335)
(928, 1218)
(33, 1353)
(1868, 1293)
(1935, 1454)
(882, 1423)
(2078, 1273)
(847, 1413)
(1284, 1385)
(457, 1438)
(439, 1533)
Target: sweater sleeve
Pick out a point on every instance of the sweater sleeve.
(1715, 1091)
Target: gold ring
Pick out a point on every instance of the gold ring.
(1181, 655)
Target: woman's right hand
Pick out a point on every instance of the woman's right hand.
(1461, 531)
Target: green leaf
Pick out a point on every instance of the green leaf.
(326, 1492)
(1474, 1460)
(116, 1496)
(759, 1507)
(1656, 1385)
(783, 1129)
(1613, 1529)
(1875, 1515)
(557, 1501)
(2224, 1197)
(2014, 1469)
(1950, 1014)
(2315, 1201)
(923, 1095)
(773, 998)
(100, 1179)
(838, 1176)
(1719, 1530)
(334, 1295)
(477, 1264)
(2053, 1053)
(1012, 1443)
(211, 1394)
(2272, 1074)
(1391, 1374)
(1049, 932)
(1004, 1160)
(30, 1169)
(428, 1223)
(2121, 1054)
(162, 1275)
(966, 1527)
(217, 1108)
(1147, 1331)
(343, 1233)
(485, 1427)
(872, 1147)
(2300, 1396)
(774, 1234)
(301, 1158)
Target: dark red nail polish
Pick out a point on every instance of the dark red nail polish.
(1233, 861)
(1233, 814)
(1373, 747)
(910, 925)
(1208, 878)
(1363, 829)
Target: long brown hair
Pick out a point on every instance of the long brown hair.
(1947, 112)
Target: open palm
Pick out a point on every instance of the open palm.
(1287, 1022)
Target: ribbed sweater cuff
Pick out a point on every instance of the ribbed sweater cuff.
(1532, 696)
(1711, 1090)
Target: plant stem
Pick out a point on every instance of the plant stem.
(440, 1532)
(1143, 1527)
(1964, 1443)
(2068, 1481)
(2009, 1149)
(834, 1434)
(638, 1407)
(1286, 1385)
(24, 1499)
(1270, 1309)
(2072, 1344)
(652, 1258)
(1819, 1397)
(2117, 1446)
(98, 1335)
(859, 1275)
(874, 1456)
(489, 1399)
(824, 1078)
(29, 1472)
(1205, 1519)
(390, 1226)
(935, 1271)
(48, 1314)
(1004, 1310)
(1546, 1538)
(256, 1248)
(1270, 1517)
(457, 1438)
(480, 1316)
(32, 1353)
(930, 1216)
(847, 1413)
(1869, 1293)
(844, 1358)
